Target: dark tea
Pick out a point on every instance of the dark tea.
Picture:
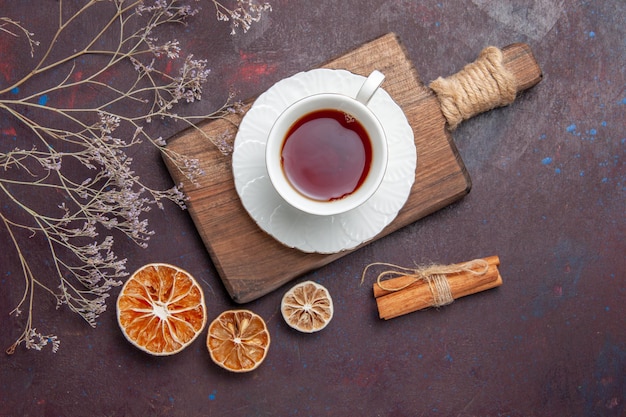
(326, 155)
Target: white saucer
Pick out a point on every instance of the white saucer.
(292, 227)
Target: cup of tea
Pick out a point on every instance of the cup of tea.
(326, 154)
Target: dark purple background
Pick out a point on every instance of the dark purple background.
(548, 197)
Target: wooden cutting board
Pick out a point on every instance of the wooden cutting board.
(250, 262)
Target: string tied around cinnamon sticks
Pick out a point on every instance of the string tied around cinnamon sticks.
(433, 275)
(412, 289)
(480, 86)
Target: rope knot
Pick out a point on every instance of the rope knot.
(480, 86)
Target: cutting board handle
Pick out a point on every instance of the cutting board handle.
(493, 80)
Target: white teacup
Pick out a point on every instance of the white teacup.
(326, 154)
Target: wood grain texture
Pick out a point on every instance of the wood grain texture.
(250, 262)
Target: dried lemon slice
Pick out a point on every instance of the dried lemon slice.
(238, 340)
(161, 309)
(307, 307)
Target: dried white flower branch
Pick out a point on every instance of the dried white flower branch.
(243, 16)
(7, 23)
(78, 158)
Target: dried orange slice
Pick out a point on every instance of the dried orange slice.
(238, 340)
(307, 307)
(161, 309)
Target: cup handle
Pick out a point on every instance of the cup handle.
(369, 87)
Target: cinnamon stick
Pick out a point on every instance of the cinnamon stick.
(416, 294)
